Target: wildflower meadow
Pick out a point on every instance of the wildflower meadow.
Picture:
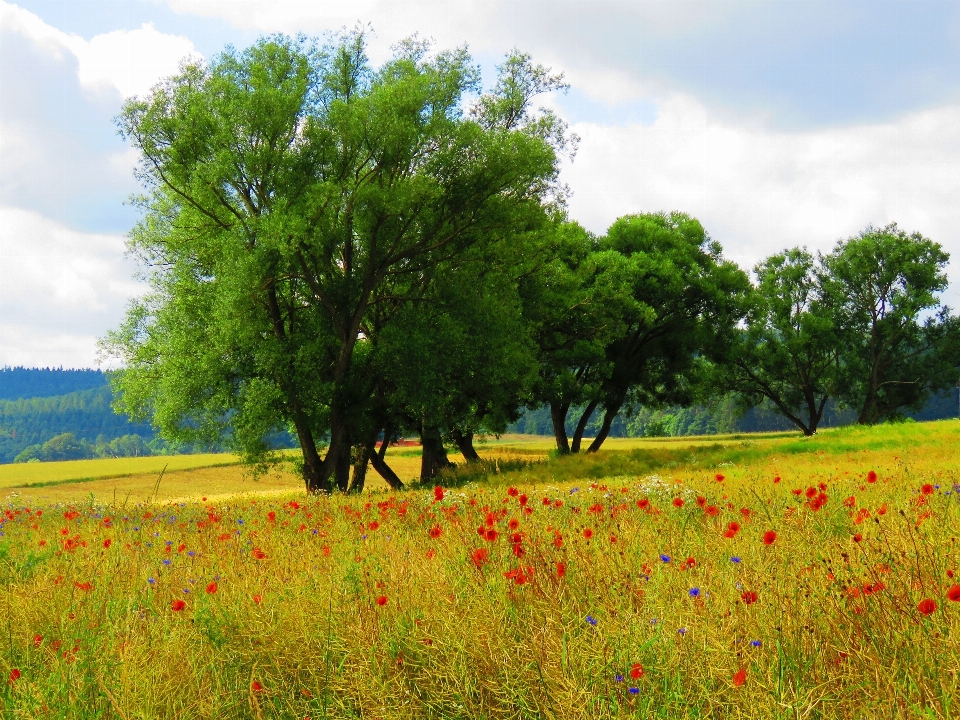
(822, 583)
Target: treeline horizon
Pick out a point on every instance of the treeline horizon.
(349, 252)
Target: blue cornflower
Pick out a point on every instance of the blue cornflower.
(592, 620)
(665, 558)
(186, 590)
(682, 631)
(240, 521)
(136, 529)
(756, 643)
(735, 559)
(694, 592)
(618, 677)
(167, 561)
(151, 581)
(634, 691)
(573, 490)
(191, 553)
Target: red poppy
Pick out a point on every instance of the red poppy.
(257, 599)
(776, 479)
(14, 675)
(374, 525)
(438, 493)
(84, 585)
(857, 538)
(954, 593)
(271, 516)
(480, 556)
(435, 532)
(522, 500)
(513, 524)
(926, 606)
(643, 504)
(178, 605)
(871, 477)
(749, 597)
(769, 537)
(557, 540)
(701, 501)
(381, 600)
(739, 677)
(720, 477)
(256, 686)
(259, 554)
(211, 588)
(678, 502)
(588, 533)
(37, 640)
(546, 501)
(711, 510)
(512, 491)
(490, 535)
(927, 489)
(561, 569)
(107, 543)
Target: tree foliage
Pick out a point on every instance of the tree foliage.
(295, 194)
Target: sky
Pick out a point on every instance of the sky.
(776, 123)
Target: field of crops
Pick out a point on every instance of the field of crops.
(750, 577)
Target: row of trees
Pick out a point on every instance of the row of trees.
(358, 253)
(66, 446)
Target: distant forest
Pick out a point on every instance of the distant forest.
(21, 382)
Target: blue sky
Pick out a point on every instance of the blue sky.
(777, 123)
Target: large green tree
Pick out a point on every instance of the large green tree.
(293, 191)
(897, 343)
(788, 350)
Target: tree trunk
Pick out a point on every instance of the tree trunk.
(434, 457)
(558, 414)
(582, 426)
(336, 465)
(313, 476)
(608, 416)
(361, 461)
(464, 442)
(384, 470)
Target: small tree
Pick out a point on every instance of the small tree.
(897, 343)
(788, 351)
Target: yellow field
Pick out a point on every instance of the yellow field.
(749, 578)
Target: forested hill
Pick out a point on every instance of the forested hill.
(21, 382)
(86, 414)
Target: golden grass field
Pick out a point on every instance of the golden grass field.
(737, 577)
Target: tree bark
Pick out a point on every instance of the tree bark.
(434, 457)
(360, 463)
(582, 426)
(464, 442)
(608, 416)
(384, 470)
(313, 476)
(558, 414)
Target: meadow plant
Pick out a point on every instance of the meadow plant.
(822, 591)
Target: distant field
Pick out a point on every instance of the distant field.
(221, 476)
(20, 474)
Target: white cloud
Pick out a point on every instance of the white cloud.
(758, 191)
(129, 61)
(59, 290)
